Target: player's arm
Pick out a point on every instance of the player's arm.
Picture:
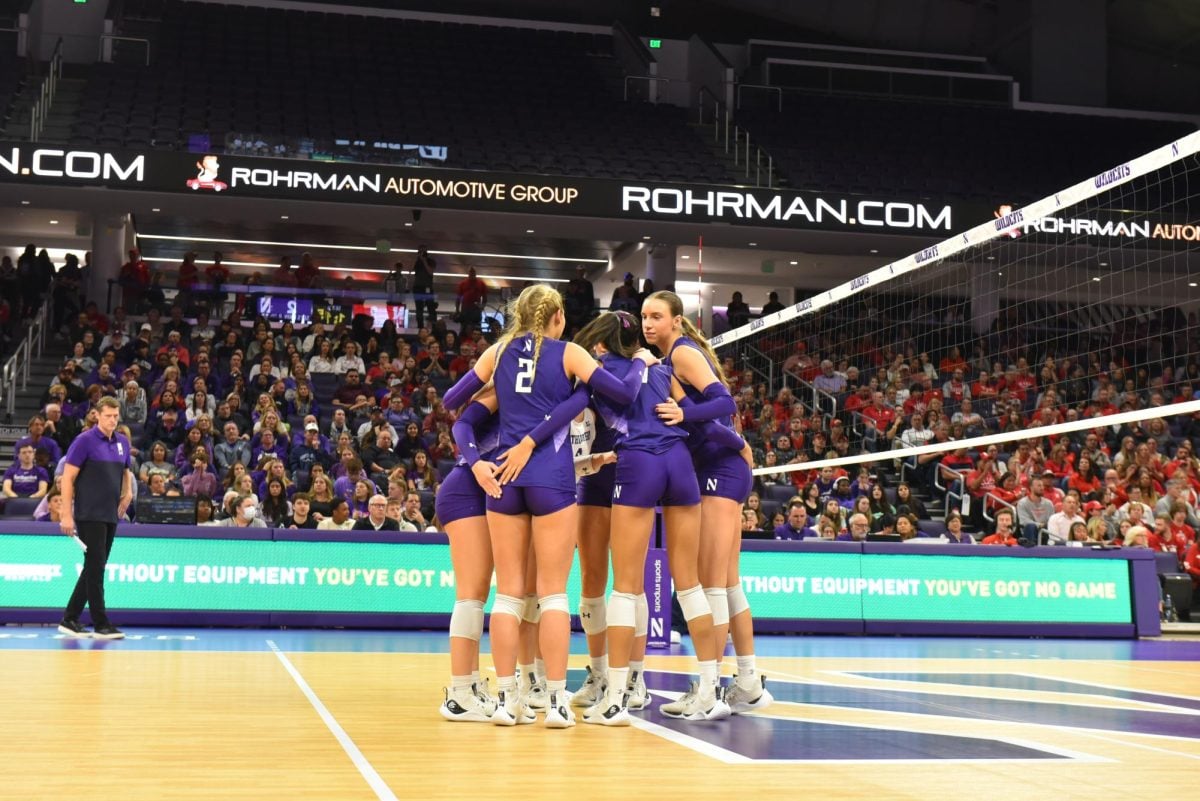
(513, 461)
(126, 492)
(693, 369)
(579, 364)
(67, 490)
(472, 381)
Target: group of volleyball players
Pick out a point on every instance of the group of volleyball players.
(642, 432)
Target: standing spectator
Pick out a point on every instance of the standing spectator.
(97, 488)
(579, 300)
(772, 305)
(625, 297)
(737, 312)
(306, 275)
(134, 279)
(469, 303)
(218, 275)
(422, 287)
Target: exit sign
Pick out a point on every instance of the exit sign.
(654, 43)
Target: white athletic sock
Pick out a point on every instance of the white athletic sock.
(528, 677)
(747, 673)
(617, 677)
(708, 673)
(508, 684)
(460, 682)
(600, 665)
(635, 670)
(475, 679)
(556, 686)
(540, 667)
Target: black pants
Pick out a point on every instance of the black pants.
(89, 589)
(423, 301)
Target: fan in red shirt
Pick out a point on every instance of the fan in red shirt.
(1004, 530)
(1180, 536)
(1083, 479)
(189, 273)
(859, 400)
(1191, 563)
(984, 387)
(879, 414)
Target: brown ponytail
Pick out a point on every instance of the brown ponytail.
(675, 305)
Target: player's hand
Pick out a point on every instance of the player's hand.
(646, 356)
(485, 477)
(601, 459)
(67, 525)
(123, 506)
(513, 461)
(747, 453)
(670, 412)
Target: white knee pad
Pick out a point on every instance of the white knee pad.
(622, 610)
(553, 603)
(508, 605)
(467, 620)
(592, 615)
(693, 602)
(641, 619)
(719, 605)
(529, 609)
(737, 600)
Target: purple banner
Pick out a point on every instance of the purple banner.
(658, 598)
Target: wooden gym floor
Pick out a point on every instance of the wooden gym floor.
(210, 713)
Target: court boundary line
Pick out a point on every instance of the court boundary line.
(368, 772)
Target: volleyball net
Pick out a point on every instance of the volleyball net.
(1062, 328)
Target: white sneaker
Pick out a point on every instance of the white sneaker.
(465, 706)
(559, 714)
(535, 695)
(607, 713)
(484, 694)
(591, 692)
(741, 700)
(511, 710)
(703, 703)
(675, 709)
(636, 693)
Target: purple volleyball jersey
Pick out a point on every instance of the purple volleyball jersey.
(637, 426)
(526, 397)
(700, 447)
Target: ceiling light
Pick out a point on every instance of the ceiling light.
(24, 202)
(793, 262)
(1103, 264)
(991, 258)
(1191, 283)
(363, 248)
(408, 225)
(999, 273)
(284, 217)
(685, 256)
(373, 270)
(155, 209)
(647, 236)
(753, 244)
(529, 230)
(54, 222)
(874, 251)
(1096, 279)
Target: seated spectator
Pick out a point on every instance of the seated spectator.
(1098, 528)
(200, 482)
(322, 496)
(53, 513)
(421, 475)
(183, 454)
(338, 518)
(859, 528)
(1004, 534)
(158, 487)
(166, 429)
(38, 439)
(246, 514)
(301, 516)
(954, 530)
(1034, 510)
(1061, 523)
(796, 526)
(275, 508)
(906, 526)
(749, 521)
(24, 479)
(234, 449)
(133, 403)
(376, 518)
(159, 462)
(1078, 534)
(412, 511)
(907, 502)
(205, 515)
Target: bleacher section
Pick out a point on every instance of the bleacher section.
(985, 154)
(497, 98)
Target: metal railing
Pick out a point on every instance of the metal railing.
(651, 81)
(112, 37)
(761, 87)
(41, 107)
(16, 368)
(764, 162)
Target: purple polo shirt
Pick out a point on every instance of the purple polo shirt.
(102, 462)
(786, 532)
(44, 442)
(25, 482)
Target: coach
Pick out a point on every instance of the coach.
(98, 463)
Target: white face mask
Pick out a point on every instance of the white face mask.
(248, 512)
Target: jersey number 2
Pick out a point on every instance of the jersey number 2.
(524, 376)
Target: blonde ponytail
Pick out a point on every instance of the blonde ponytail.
(530, 313)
